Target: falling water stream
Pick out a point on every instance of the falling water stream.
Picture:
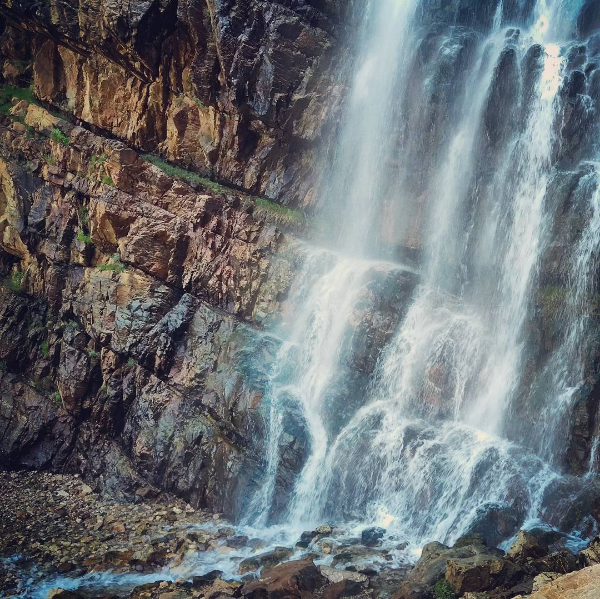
(430, 448)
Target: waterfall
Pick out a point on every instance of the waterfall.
(455, 165)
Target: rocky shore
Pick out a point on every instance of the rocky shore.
(60, 539)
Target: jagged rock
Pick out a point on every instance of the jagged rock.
(526, 546)
(371, 537)
(584, 584)
(543, 579)
(62, 594)
(292, 579)
(590, 556)
(481, 573)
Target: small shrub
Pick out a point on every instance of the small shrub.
(443, 590)
(3, 366)
(108, 181)
(92, 354)
(58, 136)
(81, 236)
(15, 281)
(180, 173)
(98, 160)
(280, 213)
(115, 264)
(44, 349)
(8, 92)
(49, 159)
(131, 363)
(72, 324)
(103, 390)
(84, 216)
(57, 399)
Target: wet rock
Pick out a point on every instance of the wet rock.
(237, 542)
(482, 573)
(343, 583)
(526, 546)
(590, 556)
(292, 579)
(265, 560)
(324, 529)
(371, 537)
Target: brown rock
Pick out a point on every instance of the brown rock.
(584, 584)
(290, 580)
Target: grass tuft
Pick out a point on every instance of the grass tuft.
(58, 136)
(269, 208)
(81, 236)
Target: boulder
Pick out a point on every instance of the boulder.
(482, 573)
(371, 537)
(297, 579)
(527, 546)
(591, 555)
(584, 584)
(264, 560)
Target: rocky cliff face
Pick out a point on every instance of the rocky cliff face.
(136, 297)
(133, 302)
(234, 88)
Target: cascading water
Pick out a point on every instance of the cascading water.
(458, 168)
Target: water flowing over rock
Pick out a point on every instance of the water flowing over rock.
(311, 261)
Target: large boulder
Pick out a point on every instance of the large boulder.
(526, 546)
(290, 580)
(584, 584)
(482, 573)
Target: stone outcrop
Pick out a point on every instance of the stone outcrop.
(233, 88)
(130, 306)
(584, 584)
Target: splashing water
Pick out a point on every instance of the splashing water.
(431, 446)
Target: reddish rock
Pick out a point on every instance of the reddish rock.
(292, 579)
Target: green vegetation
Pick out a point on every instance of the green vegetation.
(15, 281)
(58, 136)
(180, 173)
(84, 216)
(72, 324)
(115, 264)
(131, 362)
(98, 160)
(108, 181)
(49, 159)
(57, 399)
(552, 299)
(81, 236)
(3, 366)
(277, 212)
(8, 92)
(443, 590)
(103, 390)
(44, 349)
(92, 354)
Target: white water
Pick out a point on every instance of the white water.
(431, 445)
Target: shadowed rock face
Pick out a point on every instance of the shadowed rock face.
(129, 317)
